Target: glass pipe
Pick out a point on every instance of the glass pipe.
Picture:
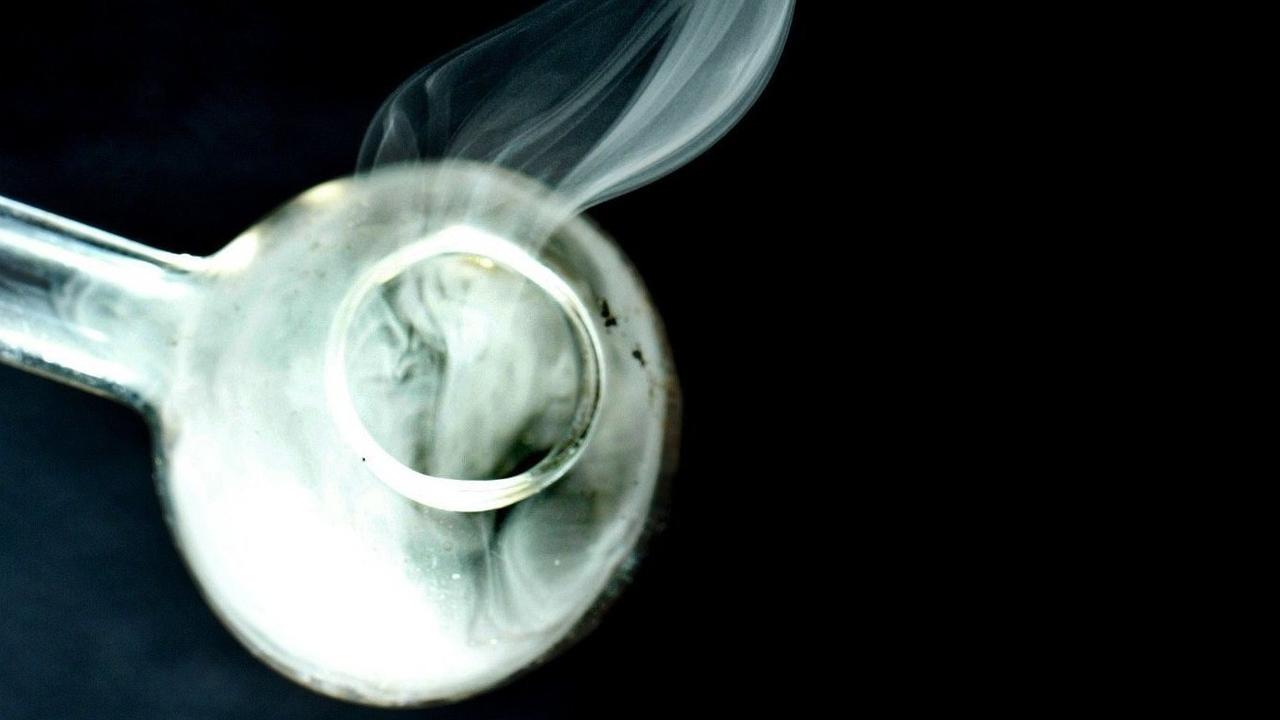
(408, 429)
(411, 427)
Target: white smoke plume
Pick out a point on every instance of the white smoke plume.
(594, 98)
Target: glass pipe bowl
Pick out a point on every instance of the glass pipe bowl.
(322, 544)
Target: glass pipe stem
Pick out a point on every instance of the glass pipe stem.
(88, 308)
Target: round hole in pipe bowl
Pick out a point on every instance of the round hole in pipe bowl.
(466, 373)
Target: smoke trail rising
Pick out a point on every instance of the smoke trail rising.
(594, 98)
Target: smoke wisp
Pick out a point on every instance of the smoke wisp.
(593, 98)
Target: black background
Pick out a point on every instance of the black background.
(179, 125)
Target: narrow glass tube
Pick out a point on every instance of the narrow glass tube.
(89, 308)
